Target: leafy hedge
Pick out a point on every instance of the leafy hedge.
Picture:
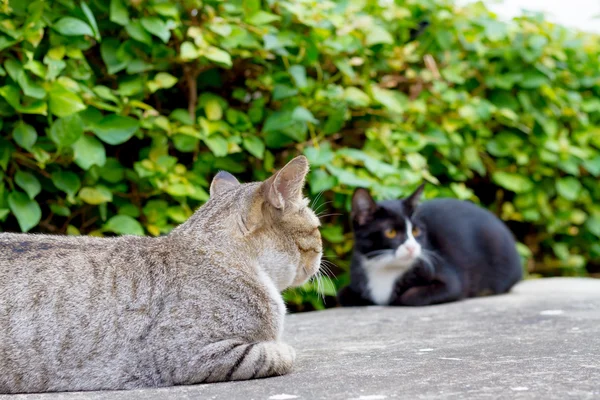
(116, 114)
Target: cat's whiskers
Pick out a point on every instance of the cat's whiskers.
(327, 265)
(328, 215)
(316, 211)
(316, 199)
(429, 257)
(378, 253)
(323, 273)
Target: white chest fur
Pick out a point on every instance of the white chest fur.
(382, 274)
(384, 271)
(276, 298)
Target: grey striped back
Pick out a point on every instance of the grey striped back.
(201, 304)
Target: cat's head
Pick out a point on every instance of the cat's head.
(387, 233)
(275, 221)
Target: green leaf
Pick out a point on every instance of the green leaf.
(156, 27)
(66, 181)
(29, 183)
(118, 12)
(70, 26)
(512, 181)
(162, 80)
(27, 211)
(91, 19)
(112, 171)
(219, 56)
(318, 156)
(251, 7)
(137, 32)
(494, 30)
(6, 151)
(349, 177)
(336, 120)
(177, 214)
(60, 210)
(356, 97)
(185, 143)
(217, 145)
(320, 181)
(66, 131)
(333, 234)
(388, 99)
(188, 51)
(109, 50)
(213, 109)
(115, 129)
(593, 165)
(255, 146)
(30, 87)
(166, 10)
(593, 224)
(95, 195)
(262, 18)
(89, 151)
(281, 92)
(11, 94)
(504, 144)
(302, 114)
(378, 35)
(533, 80)
(124, 225)
(298, 72)
(63, 102)
(569, 188)
(25, 135)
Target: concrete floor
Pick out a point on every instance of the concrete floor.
(542, 341)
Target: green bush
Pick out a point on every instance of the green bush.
(116, 114)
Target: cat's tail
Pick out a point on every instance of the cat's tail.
(232, 360)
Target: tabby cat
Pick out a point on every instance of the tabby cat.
(442, 250)
(201, 304)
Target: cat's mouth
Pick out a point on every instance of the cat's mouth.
(305, 272)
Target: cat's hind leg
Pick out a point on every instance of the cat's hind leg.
(233, 360)
(442, 288)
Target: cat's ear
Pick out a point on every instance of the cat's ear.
(363, 206)
(285, 187)
(223, 182)
(412, 201)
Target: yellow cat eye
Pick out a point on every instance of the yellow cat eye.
(390, 233)
(416, 231)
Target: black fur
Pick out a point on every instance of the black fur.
(475, 253)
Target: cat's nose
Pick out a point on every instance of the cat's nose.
(411, 249)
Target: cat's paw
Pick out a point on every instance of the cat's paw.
(282, 357)
(415, 297)
(288, 354)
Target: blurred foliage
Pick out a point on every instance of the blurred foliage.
(116, 114)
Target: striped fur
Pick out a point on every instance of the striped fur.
(201, 304)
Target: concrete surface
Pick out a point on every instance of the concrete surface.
(542, 341)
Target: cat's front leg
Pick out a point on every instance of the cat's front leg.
(232, 360)
(442, 288)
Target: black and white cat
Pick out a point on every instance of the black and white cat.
(412, 254)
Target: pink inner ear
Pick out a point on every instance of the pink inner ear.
(286, 186)
(222, 182)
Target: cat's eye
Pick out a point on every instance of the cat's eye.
(390, 233)
(416, 231)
